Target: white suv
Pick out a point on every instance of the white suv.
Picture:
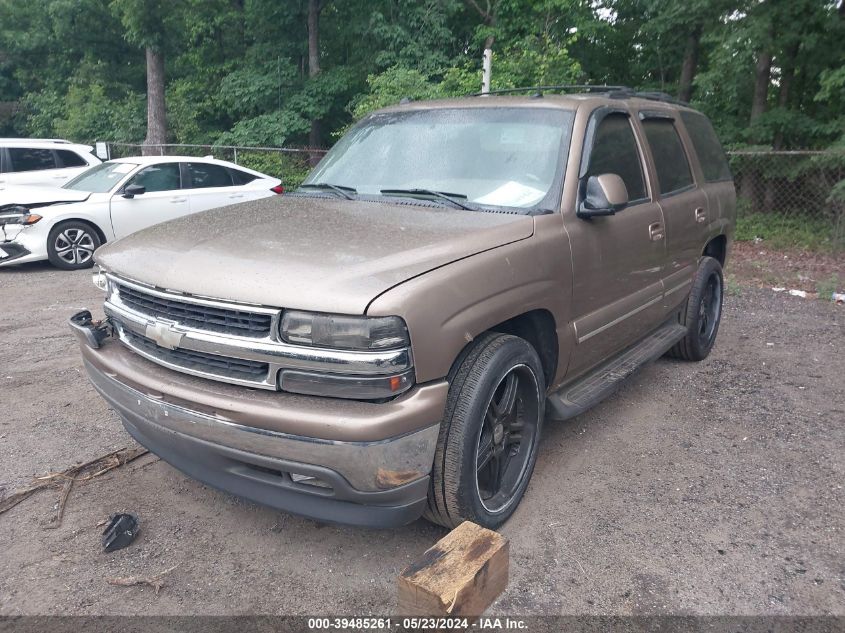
(49, 162)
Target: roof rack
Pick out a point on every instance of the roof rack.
(539, 90)
(614, 92)
(651, 95)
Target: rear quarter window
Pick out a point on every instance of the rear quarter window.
(712, 157)
(241, 177)
(71, 159)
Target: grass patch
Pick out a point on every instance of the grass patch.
(826, 287)
(732, 286)
(787, 232)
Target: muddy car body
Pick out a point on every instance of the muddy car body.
(370, 350)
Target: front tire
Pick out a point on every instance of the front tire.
(490, 433)
(71, 245)
(703, 313)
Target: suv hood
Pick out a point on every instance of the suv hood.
(35, 197)
(307, 252)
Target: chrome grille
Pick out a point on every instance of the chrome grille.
(227, 341)
(197, 315)
(222, 366)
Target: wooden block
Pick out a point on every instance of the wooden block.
(462, 574)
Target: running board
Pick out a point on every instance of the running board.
(575, 398)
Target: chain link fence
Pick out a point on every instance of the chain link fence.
(788, 199)
(289, 164)
(791, 199)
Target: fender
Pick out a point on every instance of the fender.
(447, 308)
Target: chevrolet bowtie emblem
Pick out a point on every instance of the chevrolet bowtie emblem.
(165, 334)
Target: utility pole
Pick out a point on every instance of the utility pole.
(486, 69)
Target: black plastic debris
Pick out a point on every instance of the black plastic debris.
(120, 531)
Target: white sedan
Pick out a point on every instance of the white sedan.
(66, 224)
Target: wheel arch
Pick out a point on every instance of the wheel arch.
(717, 248)
(97, 228)
(538, 328)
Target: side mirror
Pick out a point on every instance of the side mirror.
(134, 190)
(603, 195)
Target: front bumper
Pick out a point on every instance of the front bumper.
(341, 461)
(22, 245)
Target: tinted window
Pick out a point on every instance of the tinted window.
(205, 175)
(673, 171)
(241, 177)
(70, 159)
(161, 177)
(615, 152)
(31, 159)
(712, 157)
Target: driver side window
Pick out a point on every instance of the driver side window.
(615, 152)
(161, 177)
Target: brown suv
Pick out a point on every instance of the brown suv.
(388, 341)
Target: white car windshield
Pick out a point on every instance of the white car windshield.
(488, 156)
(101, 178)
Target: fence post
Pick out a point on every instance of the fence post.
(235, 149)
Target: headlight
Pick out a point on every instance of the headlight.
(343, 332)
(18, 215)
(361, 336)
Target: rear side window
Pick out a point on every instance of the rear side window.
(712, 157)
(673, 172)
(31, 159)
(615, 152)
(241, 177)
(70, 159)
(204, 175)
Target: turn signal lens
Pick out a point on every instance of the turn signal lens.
(351, 387)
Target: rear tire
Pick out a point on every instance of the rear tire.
(490, 433)
(71, 245)
(703, 312)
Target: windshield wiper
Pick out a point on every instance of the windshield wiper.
(338, 189)
(443, 195)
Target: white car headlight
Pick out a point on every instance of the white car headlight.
(18, 215)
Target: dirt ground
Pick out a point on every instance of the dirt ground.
(711, 488)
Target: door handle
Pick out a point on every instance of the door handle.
(655, 231)
(700, 215)
(59, 177)
(175, 200)
(236, 195)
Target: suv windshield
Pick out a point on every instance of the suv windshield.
(101, 178)
(487, 156)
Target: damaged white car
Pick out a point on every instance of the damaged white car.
(65, 225)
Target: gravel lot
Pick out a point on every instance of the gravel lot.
(711, 488)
